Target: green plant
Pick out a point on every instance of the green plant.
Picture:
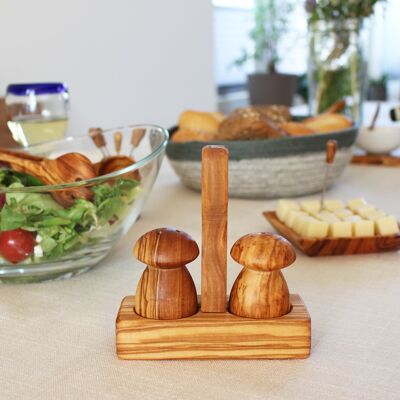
(381, 81)
(328, 10)
(338, 68)
(270, 24)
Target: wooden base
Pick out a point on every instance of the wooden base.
(334, 246)
(385, 160)
(213, 335)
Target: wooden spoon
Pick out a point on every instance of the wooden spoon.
(116, 163)
(70, 167)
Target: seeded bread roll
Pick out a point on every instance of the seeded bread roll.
(197, 121)
(276, 113)
(252, 123)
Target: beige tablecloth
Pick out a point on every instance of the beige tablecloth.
(57, 338)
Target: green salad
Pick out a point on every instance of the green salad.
(44, 229)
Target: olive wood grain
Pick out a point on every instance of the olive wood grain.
(334, 246)
(213, 335)
(386, 160)
(117, 142)
(136, 138)
(214, 192)
(331, 147)
(166, 290)
(99, 140)
(116, 163)
(68, 168)
(260, 290)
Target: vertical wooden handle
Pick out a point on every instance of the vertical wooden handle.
(137, 136)
(117, 142)
(97, 136)
(331, 147)
(214, 188)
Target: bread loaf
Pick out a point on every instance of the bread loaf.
(200, 121)
(325, 123)
(297, 129)
(251, 123)
(186, 135)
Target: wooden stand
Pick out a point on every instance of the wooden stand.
(263, 322)
(334, 246)
(213, 335)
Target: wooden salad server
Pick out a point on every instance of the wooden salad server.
(68, 168)
(116, 163)
(331, 147)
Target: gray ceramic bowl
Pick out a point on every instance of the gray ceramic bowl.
(271, 168)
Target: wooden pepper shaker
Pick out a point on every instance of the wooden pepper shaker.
(166, 290)
(260, 290)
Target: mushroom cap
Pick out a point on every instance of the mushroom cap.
(263, 252)
(166, 248)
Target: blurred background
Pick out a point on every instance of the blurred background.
(145, 61)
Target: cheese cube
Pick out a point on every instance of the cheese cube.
(283, 208)
(326, 216)
(299, 222)
(311, 206)
(290, 218)
(366, 210)
(363, 228)
(343, 213)
(313, 228)
(355, 203)
(332, 205)
(340, 229)
(353, 218)
(376, 215)
(386, 225)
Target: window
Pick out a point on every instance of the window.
(233, 20)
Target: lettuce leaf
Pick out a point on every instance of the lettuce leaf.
(61, 229)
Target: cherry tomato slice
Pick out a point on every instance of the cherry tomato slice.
(16, 245)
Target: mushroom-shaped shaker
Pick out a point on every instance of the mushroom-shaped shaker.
(166, 290)
(260, 290)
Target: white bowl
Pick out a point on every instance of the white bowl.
(380, 140)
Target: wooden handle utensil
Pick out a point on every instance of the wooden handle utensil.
(99, 140)
(117, 142)
(70, 167)
(331, 147)
(136, 138)
(375, 117)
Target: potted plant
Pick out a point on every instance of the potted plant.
(377, 88)
(266, 85)
(337, 66)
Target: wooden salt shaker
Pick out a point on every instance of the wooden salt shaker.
(260, 290)
(166, 290)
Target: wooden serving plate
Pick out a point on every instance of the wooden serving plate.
(213, 335)
(376, 159)
(334, 246)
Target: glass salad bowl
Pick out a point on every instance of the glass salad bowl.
(55, 231)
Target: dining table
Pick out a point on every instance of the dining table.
(57, 338)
